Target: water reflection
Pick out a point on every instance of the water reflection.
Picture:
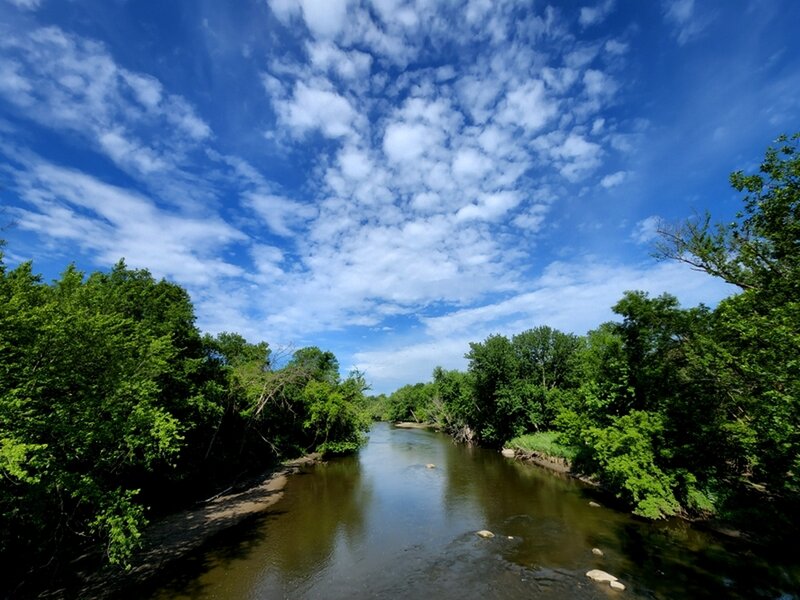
(383, 525)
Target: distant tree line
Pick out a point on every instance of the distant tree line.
(114, 408)
(675, 411)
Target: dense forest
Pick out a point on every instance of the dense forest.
(115, 408)
(675, 411)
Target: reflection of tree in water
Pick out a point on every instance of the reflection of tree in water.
(329, 502)
(679, 561)
(550, 514)
(275, 553)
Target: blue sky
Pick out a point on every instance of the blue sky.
(387, 179)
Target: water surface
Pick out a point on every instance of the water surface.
(383, 525)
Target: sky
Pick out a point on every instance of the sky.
(386, 179)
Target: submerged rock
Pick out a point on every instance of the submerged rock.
(508, 452)
(430, 466)
(484, 533)
(597, 552)
(594, 504)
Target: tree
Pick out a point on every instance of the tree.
(759, 250)
(751, 355)
(494, 366)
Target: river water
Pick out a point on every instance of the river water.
(383, 525)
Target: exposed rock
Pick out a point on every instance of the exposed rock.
(594, 504)
(430, 466)
(484, 533)
(508, 452)
(601, 576)
(597, 552)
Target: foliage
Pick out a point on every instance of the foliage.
(337, 414)
(411, 403)
(674, 410)
(112, 404)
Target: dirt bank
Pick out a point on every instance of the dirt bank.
(553, 463)
(176, 535)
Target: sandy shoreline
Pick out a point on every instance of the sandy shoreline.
(412, 425)
(175, 536)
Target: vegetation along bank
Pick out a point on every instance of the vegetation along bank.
(674, 411)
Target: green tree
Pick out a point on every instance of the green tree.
(493, 365)
(751, 356)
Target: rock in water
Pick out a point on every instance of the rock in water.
(508, 452)
(601, 576)
(484, 533)
(617, 585)
(430, 466)
(594, 504)
(597, 552)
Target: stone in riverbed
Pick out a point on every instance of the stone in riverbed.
(508, 452)
(601, 576)
(597, 552)
(430, 466)
(484, 533)
(594, 504)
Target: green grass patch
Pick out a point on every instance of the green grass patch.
(544, 442)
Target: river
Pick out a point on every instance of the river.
(382, 524)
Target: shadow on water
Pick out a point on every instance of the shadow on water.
(184, 577)
(284, 547)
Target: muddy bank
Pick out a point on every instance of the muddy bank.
(553, 463)
(177, 535)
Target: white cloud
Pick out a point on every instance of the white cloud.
(284, 10)
(592, 15)
(26, 4)
(325, 18)
(72, 84)
(111, 222)
(354, 163)
(577, 156)
(326, 56)
(470, 163)
(529, 106)
(598, 84)
(489, 207)
(573, 297)
(613, 179)
(314, 108)
(280, 214)
(406, 142)
(533, 219)
(615, 47)
(681, 15)
(646, 230)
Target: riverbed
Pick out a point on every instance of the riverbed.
(399, 520)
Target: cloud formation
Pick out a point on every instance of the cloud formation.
(392, 177)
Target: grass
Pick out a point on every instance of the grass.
(544, 442)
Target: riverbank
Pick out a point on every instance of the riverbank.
(552, 463)
(175, 536)
(413, 425)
